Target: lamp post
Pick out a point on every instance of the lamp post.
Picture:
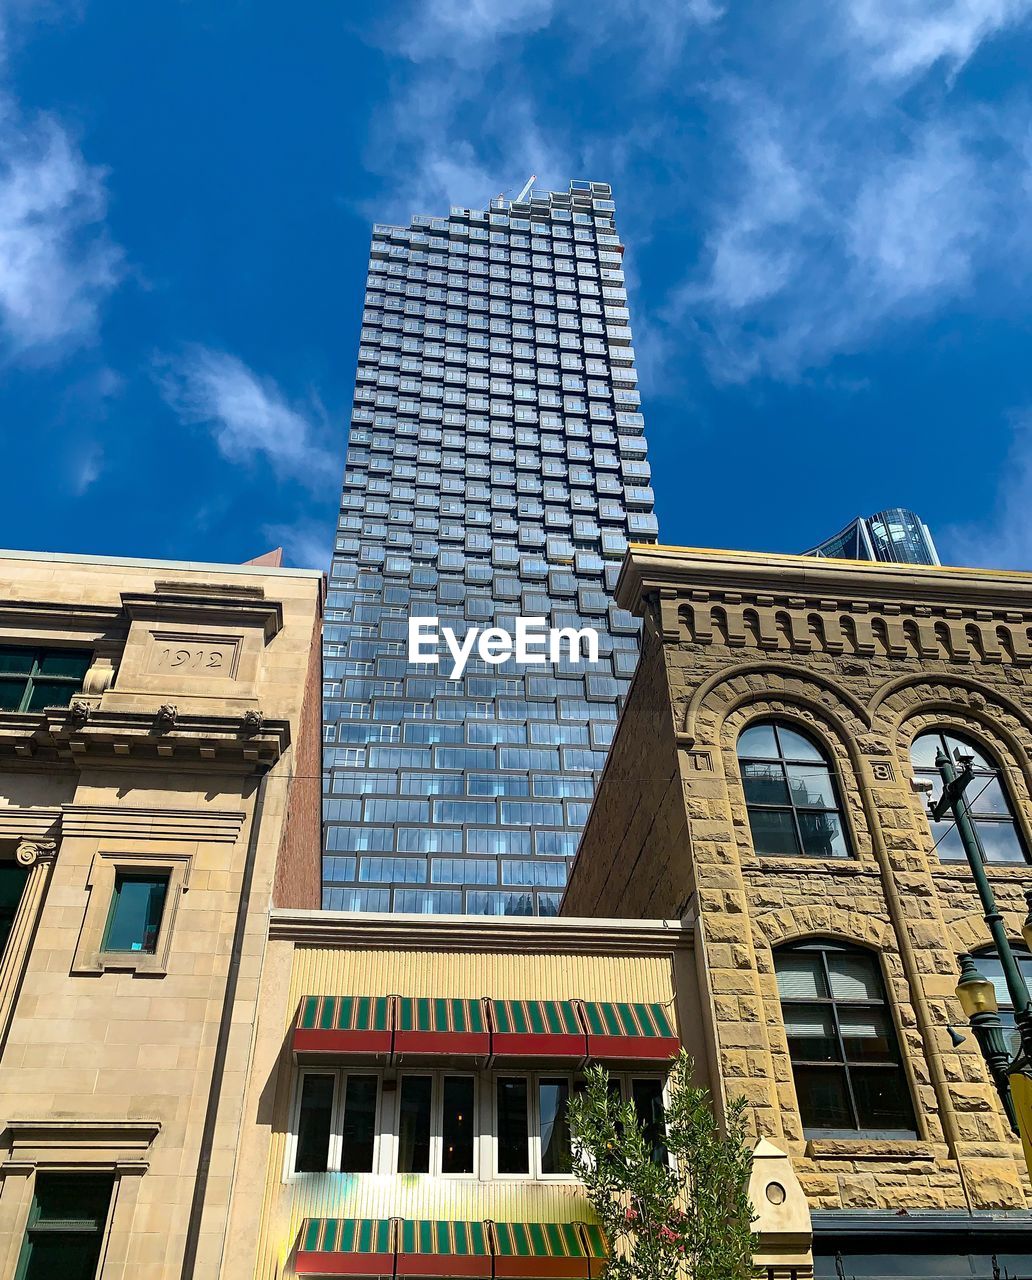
(976, 994)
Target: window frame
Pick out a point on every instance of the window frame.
(38, 654)
(822, 947)
(784, 761)
(90, 955)
(931, 774)
(335, 1147)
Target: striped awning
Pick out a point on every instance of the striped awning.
(427, 1248)
(346, 1247)
(343, 1024)
(549, 1250)
(537, 1029)
(641, 1032)
(439, 1026)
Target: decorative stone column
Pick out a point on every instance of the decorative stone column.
(38, 856)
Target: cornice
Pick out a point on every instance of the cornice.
(83, 733)
(117, 821)
(206, 603)
(525, 934)
(648, 568)
(28, 617)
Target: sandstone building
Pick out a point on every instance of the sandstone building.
(761, 787)
(159, 723)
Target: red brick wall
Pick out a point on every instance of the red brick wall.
(299, 864)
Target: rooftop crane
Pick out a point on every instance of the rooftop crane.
(526, 190)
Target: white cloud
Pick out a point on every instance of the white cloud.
(307, 544)
(468, 30)
(57, 263)
(907, 37)
(1004, 539)
(246, 414)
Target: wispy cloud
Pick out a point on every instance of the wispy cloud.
(468, 31)
(902, 38)
(307, 544)
(247, 415)
(1004, 539)
(57, 262)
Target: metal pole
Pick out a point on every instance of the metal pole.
(953, 798)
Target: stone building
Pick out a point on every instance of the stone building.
(761, 786)
(159, 760)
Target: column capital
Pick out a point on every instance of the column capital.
(30, 852)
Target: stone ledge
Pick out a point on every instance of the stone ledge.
(890, 1149)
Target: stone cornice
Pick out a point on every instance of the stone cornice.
(124, 823)
(32, 617)
(803, 605)
(526, 934)
(206, 603)
(215, 743)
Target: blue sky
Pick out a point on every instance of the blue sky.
(826, 205)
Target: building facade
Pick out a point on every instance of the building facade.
(894, 536)
(762, 782)
(496, 467)
(406, 1112)
(159, 760)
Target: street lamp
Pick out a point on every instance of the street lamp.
(976, 994)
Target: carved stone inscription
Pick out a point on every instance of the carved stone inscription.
(175, 653)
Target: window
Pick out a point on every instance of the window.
(66, 1227)
(990, 808)
(988, 964)
(12, 881)
(553, 1128)
(348, 1142)
(443, 1142)
(31, 679)
(137, 906)
(790, 793)
(845, 1056)
(512, 1125)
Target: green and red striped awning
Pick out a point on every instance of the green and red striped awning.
(411, 1026)
(364, 1247)
(343, 1024)
(443, 1249)
(537, 1029)
(438, 1026)
(641, 1032)
(549, 1250)
(346, 1247)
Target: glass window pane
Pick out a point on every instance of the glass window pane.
(457, 1125)
(359, 1124)
(16, 661)
(811, 786)
(11, 694)
(12, 881)
(823, 1098)
(868, 1035)
(313, 1128)
(758, 742)
(1000, 841)
(795, 747)
(924, 749)
(647, 1096)
(882, 1098)
(136, 911)
(800, 975)
(854, 977)
(512, 1125)
(764, 783)
(822, 834)
(73, 665)
(811, 1033)
(51, 693)
(947, 841)
(773, 831)
(414, 1125)
(966, 748)
(553, 1096)
(985, 795)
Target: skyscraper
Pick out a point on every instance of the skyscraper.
(894, 535)
(496, 467)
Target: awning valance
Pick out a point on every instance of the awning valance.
(390, 1247)
(641, 1032)
(346, 1247)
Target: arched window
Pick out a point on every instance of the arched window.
(790, 793)
(988, 964)
(991, 813)
(846, 1062)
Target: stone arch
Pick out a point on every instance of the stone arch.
(969, 932)
(796, 924)
(725, 691)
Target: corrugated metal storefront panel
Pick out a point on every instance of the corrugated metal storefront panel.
(469, 975)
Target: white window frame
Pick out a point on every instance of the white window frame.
(335, 1150)
(391, 1135)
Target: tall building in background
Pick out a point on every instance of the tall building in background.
(895, 536)
(496, 467)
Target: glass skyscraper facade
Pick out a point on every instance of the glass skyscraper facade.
(496, 467)
(894, 536)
